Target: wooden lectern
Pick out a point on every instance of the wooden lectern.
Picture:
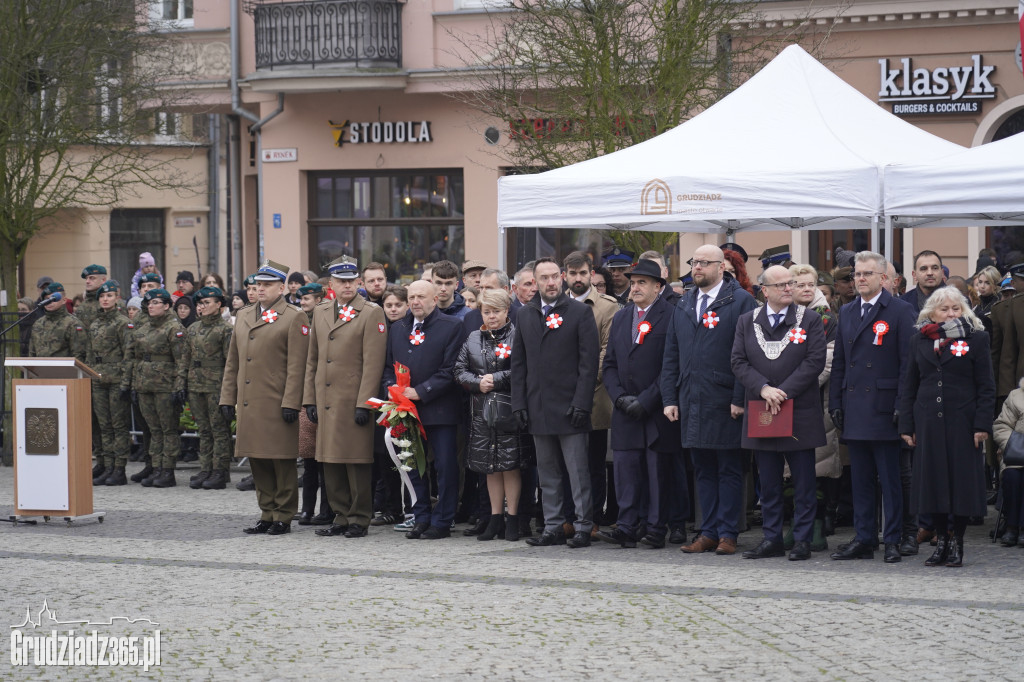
(53, 438)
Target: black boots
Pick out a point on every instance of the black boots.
(480, 527)
(512, 528)
(99, 477)
(142, 475)
(116, 477)
(165, 479)
(955, 558)
(495, 527)
(217, 480)
(196, 482)
(148, 481)
(939, 556)
(98, 468)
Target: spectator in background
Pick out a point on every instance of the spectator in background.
(212, 279)
(470, 296)
(185, 309)
(734, 264)
(186, 283)
(472, 270)
(842, 278)
(602, 280)
(147, 265)
(986, 286)
(292, 296)
(1011, 419)
(375, 282)
(524, 286)
(133, 307)
(449, 301)
(930, 275)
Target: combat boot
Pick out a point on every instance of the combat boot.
(99, 478)
(116, 477)
(142, 475)
(166, 479)
(98, 468)
(196, 482)
(218, 480)
(246, 484)
(148, 481)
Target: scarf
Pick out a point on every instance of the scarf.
(943, 333)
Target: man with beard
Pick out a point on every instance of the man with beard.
(375, 281)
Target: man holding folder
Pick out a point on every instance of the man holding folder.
(777, 354)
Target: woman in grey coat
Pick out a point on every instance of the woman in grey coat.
(496, 447)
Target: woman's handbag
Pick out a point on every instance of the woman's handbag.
(498, 413)
(1013, 453)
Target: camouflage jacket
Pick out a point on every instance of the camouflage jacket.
(108, 345)
(206, 351)
(157, 352)
(89, 309)
(59, 334)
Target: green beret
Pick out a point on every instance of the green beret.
(314, 288)
(210, 292)
(149, 277)
(109, 285)
(154, 294)
(53, 287)
(93, 270)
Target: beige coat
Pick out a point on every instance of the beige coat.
(263, 374)
(1011, 418)
(343, 370)
(604, 308)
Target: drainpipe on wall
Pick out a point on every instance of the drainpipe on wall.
(213, 218)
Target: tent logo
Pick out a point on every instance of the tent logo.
(656, 198)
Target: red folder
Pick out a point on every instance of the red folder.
(761, 423)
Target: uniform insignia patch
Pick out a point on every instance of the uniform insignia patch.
(305, 330)
(179, 334)
(381, 327)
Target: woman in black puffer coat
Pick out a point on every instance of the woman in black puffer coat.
(496, 447)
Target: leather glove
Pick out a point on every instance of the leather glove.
(362, 416)
(311, 413)
(523, 419)
(134, 395)
(577, 418)
(125, 395)
(228, 412)
(178, 399)
(837, 418)
(630, 404)
(289, 415)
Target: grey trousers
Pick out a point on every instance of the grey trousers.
(551, 452)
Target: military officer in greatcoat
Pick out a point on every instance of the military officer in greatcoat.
(347, 348)
(108, 348)
(263, 381)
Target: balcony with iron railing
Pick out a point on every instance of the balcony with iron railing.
(345, 34)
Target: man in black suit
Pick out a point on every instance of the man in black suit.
(643, 439)
(930, 276)
(554, 372)
(777, 354)
(428, 343)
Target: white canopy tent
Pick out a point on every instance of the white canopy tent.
(795, 146)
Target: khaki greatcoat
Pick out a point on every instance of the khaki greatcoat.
(263, 374)
(344, 365)
(604, 308)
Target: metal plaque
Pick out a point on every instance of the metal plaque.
(42, 431)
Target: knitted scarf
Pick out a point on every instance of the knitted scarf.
(943, 333)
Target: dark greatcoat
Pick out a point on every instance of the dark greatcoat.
(558, 366)
(697, 374)
(633, 369)
(795, 372)
(431, 365)
(945, 400)
(865, 377)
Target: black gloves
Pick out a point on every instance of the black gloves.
(178, 399)
(228, 412)
(896, 418)
(837, 418)
(630, 404)
(289, 415)
(362, 416)
(134, 395)
(125, 395)
(577, 418)
(311, 413)
(523, 419)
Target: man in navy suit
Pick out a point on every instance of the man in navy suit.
(870, 355)
(700, 391)
(428, 343)
(643, 439)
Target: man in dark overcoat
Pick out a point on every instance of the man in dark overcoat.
(643, 439)
(700, 391)
(428, 342)
(777, 354)
(553, 379)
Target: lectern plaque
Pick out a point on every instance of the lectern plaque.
(42, 431)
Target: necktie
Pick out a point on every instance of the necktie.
(776, 319)
(416, 328)
(547, 309)
(864, 310)
(703, 306)
(639, 315)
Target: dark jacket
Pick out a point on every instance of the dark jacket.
(501, 448)
(1008, 343)
(915, 297)
(633, 369)
(474, 320)
(946, 399)
(557, 368)
(795, 372)
(458, 307)
(697, 374)
(431, 365)
(865, 377)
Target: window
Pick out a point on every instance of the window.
(170, 14)
(401, 220)
(133, 231)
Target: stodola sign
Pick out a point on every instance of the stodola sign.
(380, 132)
(942, 90)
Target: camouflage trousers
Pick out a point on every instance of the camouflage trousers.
(214, 432)
(162, 416)
(111, 415)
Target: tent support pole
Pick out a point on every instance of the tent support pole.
(501, 250)
(875, 246)
(888, 238)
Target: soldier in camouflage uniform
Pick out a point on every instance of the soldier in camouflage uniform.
(158, 379)
(108, 348)
(146, 282)
(58, 333)
(206, 349)
(95, 276)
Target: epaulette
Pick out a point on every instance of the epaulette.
(610, 299)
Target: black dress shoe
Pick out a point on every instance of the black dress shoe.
(616, 536)
(909, 546)
(579, 539)
(766, 550)
(892, 553)
(479, 527)
(436, 533)
(677, 536)
(331, 531)
(279, 528)
(1010, 538)
(652, 541)
(955, 558)
(304, 518)
(246, 484)
(355, 531)
(801, 551)
(546, 539)
(259, 528)
(417, 531)
(322, 519)
(854, 550)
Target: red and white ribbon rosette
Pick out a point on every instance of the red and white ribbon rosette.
(269, 316)
(347, 313)
(711, 319)
(643, 329)
(503, 350)
(797, 335)
(959, 348)
(554, 321)
(416, 338)
(880, 328)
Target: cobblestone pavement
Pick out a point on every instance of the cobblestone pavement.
(300, 607)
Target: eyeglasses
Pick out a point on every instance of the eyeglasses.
(780, 286)
(805, 285)
(701, 263)
(865, 274)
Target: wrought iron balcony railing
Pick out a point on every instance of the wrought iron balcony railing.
(346, 33)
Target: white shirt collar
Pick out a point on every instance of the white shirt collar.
(784, 311)
(712, 294)
(872, 301)
(580, 298)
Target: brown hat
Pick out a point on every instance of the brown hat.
(844, 273)
(473, 265)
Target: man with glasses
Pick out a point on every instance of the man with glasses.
(777, 354)
(870, 354)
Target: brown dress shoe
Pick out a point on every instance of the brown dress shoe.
(726, 546)
(924, 535)
(702, 544)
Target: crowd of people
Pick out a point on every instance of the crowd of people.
(602, 403)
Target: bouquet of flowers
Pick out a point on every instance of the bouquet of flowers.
(399, 416)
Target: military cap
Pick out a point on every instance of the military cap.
(108, 286)
(344, 268)
(843, 274)
(687, 281)
(154, 294)
(825, 278)
(733, 246)
(149, 277)
(53, 288)
(617, 258)
(314, 288)
(271, 271)
(211, 292)
(1016, 270)
(1007, 284)
(250, 280)
(777, 255)
(93, 270)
